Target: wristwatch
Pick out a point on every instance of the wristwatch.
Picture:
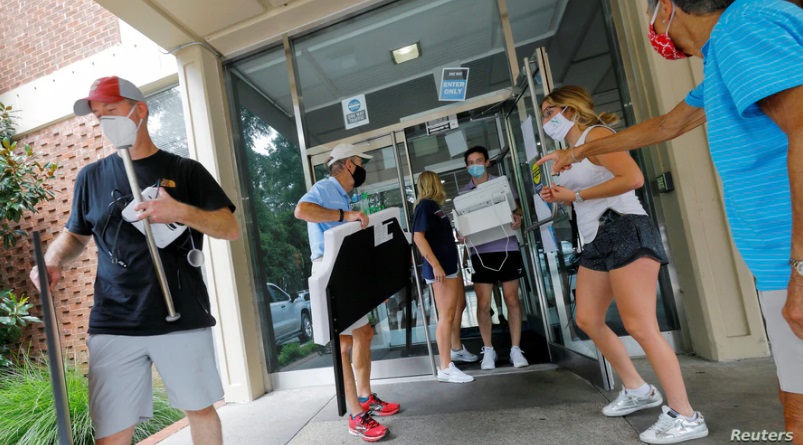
(797, 265)
(577, 197)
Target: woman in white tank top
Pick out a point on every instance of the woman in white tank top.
(622, 254)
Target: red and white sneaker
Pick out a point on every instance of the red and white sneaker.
(379, 407)
(366, 427)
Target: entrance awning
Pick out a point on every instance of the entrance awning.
(231, 27)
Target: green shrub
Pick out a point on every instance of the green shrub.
(24, 181)
(14, 316)
(295, 351)
(26, 401)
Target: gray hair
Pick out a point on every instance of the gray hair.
(336, 167)
(339, 165)
(695, 7)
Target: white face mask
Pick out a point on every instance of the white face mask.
(558, 127)
(120, 130)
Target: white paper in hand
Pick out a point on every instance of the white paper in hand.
(163, 234)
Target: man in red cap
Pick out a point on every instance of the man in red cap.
(128, 332)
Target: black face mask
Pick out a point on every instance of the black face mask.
(358, 175)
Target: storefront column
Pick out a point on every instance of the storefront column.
(715, 288)
(227, 269)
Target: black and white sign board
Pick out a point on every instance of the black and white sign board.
(360, 269)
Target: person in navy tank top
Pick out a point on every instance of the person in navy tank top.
(433, 235)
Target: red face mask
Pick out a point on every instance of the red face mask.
(662, 43)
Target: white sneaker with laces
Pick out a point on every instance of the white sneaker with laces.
(517, 357)
(626, 403)
(464, 356)
(488, 358)
(671, 427)
(453, 375)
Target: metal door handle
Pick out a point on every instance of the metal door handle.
(546, 221)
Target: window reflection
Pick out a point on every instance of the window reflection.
(275, 182)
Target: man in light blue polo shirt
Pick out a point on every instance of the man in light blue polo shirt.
(324, 206)
(752, 98)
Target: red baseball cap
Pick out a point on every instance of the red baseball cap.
(109, 90)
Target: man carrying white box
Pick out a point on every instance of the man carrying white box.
(498, 260)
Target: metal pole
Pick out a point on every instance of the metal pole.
(539, 278)
(61, 400)
(399, 172)
(172, 315)
(423, 313)
(412, 253)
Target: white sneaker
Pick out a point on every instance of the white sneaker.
(464, 356)
(672, 428)
(488, 358)
(453, 375)
(625, 403)
(517, 357)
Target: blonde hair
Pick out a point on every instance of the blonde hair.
(430, 187)
(578, 100)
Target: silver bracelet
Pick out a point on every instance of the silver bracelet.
(575, 159)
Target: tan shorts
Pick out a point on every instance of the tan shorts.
(120, 377)
(316, 263)
(787, 348)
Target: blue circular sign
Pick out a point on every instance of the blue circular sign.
(354, 105)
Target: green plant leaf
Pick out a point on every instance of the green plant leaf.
(24, 182)
(26, 401)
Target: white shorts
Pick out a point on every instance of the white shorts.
(120, 377)
(454, 275)
(787, 348)
(357, 324)
(316, 263)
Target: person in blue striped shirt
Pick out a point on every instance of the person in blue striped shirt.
(752, 99)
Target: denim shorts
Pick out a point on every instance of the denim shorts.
(622, 239)
(454, 275)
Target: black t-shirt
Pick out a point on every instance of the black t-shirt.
(128, 299)
(430, 219)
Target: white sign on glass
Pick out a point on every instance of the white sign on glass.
(355, 111)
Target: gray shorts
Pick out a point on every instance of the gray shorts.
(120, 376)
(787, 348)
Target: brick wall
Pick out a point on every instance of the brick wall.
(73, 143)
(42, 36)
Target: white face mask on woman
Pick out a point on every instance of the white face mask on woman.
(558, 127)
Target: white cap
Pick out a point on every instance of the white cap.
(345, 151)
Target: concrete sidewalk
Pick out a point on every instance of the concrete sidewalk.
(539, 404)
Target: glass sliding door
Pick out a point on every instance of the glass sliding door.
(273, 181)
(548, 233)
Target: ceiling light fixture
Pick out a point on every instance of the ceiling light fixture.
(406, 53)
